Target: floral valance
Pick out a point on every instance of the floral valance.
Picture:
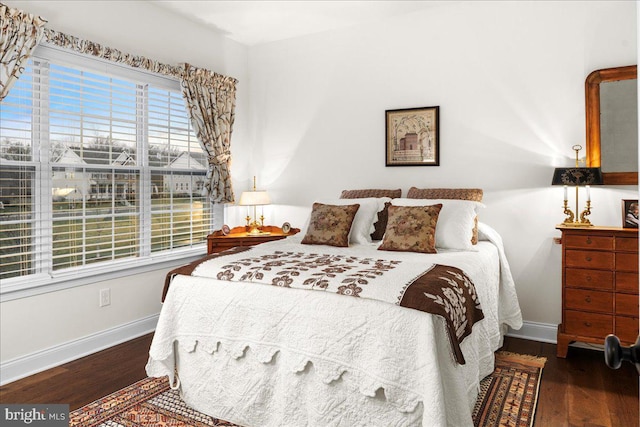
(88, 47)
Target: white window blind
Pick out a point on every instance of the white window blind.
(176, 162)
(96, 167)
(19, 226)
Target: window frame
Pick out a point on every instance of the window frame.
(34, 284)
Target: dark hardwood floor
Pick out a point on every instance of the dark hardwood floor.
(577, 391)
(84, 380)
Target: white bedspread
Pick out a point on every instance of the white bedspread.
(261, 355)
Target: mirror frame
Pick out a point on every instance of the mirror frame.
(592, 100)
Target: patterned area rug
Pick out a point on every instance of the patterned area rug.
(509, 395)
(507, 398)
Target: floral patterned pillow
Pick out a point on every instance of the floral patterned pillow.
(330, 224)
(411, 229)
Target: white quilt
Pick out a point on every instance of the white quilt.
(260, 355)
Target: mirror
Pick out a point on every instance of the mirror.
(612, 124)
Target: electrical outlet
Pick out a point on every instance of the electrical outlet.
(105, 297)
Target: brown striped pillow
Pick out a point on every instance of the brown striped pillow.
(370, 192)
(473, 194)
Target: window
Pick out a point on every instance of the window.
(96, 168)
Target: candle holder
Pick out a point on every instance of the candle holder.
(578, 176)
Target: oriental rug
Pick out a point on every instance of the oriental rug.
(509, 395)
(507, 398)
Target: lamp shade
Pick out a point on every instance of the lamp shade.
(577, 176)
(254, 198)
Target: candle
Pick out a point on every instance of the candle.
(565, 194)
(588, 194)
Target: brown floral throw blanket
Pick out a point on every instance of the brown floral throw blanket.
(442, 290)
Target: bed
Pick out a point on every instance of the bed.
(313, 334)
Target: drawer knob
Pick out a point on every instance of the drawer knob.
(587, 324)
(588, 258)
(588, 299)
(588, 241)
(588, 278)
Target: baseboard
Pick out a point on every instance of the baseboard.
(543, 332)
(33, 363)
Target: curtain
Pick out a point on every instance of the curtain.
(21, 33)
(211, 99)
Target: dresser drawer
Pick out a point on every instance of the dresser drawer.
(582, 241)
(580, 299)
(627, 244)
(593, 279)
(627, 282)
(588, 324)
(627, 304)
(627, 329)
(627, 262)
(589, 259)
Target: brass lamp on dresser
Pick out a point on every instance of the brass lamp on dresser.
(599, 285)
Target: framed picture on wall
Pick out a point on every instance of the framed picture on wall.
(412, 137)
(629, 213)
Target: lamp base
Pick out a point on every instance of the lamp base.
(254, 229)
(572, 221)
(576, 224)
(257, 232)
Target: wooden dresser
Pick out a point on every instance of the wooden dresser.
(599, 285)
(218, 242)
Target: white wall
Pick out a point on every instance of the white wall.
(32, 325)
(509, 80)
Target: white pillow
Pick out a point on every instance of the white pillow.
(456, 221)
(367, 214)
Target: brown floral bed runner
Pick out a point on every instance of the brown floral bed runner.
(442, 290)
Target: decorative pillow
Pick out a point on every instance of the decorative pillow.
(330, 225)
(473, 194)
(455, 223)
(370, 192)
(362, 226)
(411, 229)
(380, 223)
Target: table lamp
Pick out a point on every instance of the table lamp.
(577, 177)
(254, 198)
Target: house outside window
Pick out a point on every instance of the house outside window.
(87, 162)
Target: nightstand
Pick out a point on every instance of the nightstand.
(218, 242)
(599, 285)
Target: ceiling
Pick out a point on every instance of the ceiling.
(256, 22)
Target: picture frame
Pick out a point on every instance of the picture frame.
(630, 210)
(412, 137)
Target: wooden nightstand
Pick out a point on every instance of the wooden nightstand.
(218, 242)
(599, 285)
